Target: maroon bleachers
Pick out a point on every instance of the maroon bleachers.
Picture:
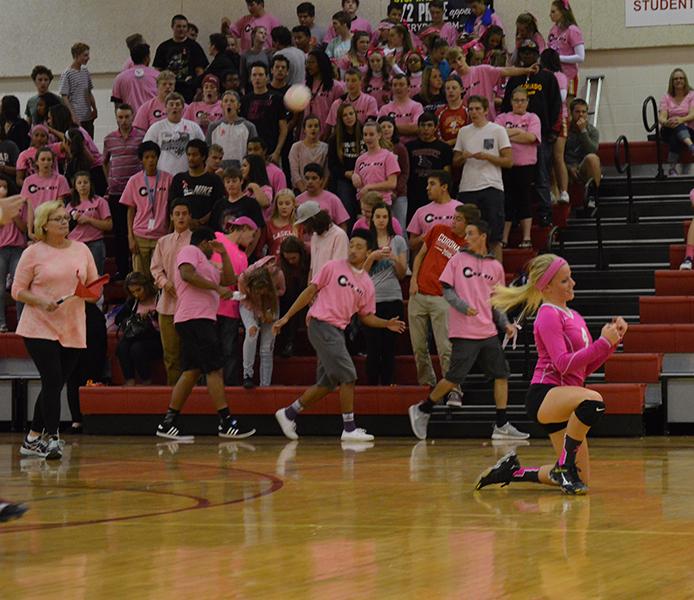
(674, 283)
(666, 309)
(634, 368)
(660, 338)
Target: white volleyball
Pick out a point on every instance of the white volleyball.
(297, 97)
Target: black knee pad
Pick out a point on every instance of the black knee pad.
(589, 412)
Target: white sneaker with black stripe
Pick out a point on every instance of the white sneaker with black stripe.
(231, 429)
(37, 448)
(171, 432)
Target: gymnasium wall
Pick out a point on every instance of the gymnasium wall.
(636, 62)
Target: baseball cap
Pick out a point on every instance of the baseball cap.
(529, 45)
(211, 78)
(244, 222)
(306, 210)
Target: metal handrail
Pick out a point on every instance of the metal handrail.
(624, 167)
(655, 128)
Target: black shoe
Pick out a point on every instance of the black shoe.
(11, 511)
(501, 472)
(248, 383)
(567, 478)
(231, 429)
(169, 431)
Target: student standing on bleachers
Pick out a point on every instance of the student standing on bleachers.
(12, 243)
(138, 84)
(76, 88)
(676, 117)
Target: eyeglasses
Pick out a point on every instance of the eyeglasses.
(64, 219)
(519, 100)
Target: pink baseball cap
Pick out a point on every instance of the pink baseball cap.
(244, 222)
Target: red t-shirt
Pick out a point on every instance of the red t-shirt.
(442, 245)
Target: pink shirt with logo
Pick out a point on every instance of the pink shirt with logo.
(566, 352)
(342, 292)
(195, 111)
(480, 28)
(362, 223)
(276, 176)
(96, 208)
(364, 105)
(376, 167)
(481, 80)
(473, 278)
(39, 189)
(239, 260)
(564, 41)
(432, 214)
(151, 218)
(357, 24)
(26, 161)
(193, 302)
(523, 154)
(378, 88)
(135, 86)
(667, 103)
(330, 245)
(328, 202)
(448, 32)
(322, 100)
(149, 113)
(243, 28)
(404, 113)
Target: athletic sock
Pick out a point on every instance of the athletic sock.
(530, 474)
(568, 454)
(293, 410)
(348, 421)
(689, 251)
(171, 415)
(224, 413)
(427, 406)
(501, 419)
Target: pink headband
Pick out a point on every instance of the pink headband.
(566, 4)
(549, 274)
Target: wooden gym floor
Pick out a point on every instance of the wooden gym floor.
(263, 518)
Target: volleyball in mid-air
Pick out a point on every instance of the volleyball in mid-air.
(297, 97)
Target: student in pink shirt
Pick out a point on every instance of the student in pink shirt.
(328, 241)
(199, 286)
(468, 282)
(137, 84)
(357, 23)
(146, 196)
(676, 117)
(314, 176)
(256, 146)
(90, 217)
(256, 17)
(377, 79)
(26, 161)
(567, 39)
(44, 186)
(209, 109)
(443, 29)
(364, 104)
(308, 151)
(367, 203)
(524, 131)
(338, 291)
(154, 110)
(356, 56)
(439, 211)
(12, 243)
(557, 399)
(376, 169)
(325, 88)
(53, 322)
(403, 109)
(481, 18)
(526, 29)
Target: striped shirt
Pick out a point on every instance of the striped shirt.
(77, 86)
(121, 154)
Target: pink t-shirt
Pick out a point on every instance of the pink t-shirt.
(26, 161)
(377, 88)
(96, 208)
(11, 235)
(342, 292)
(376, 167)
(331, 245)
(430, 215)
(197, 110)
(358, 24)
(448, 32)
(362, 223)
(39, 189)
(404, 113)
(276, 176)
(473, 278)
(51, 274)
(151, 218)
(322, 100)
(135, 86)
(149, 113)
(563, 83)
(364, 105)
(564, 41)
(667, 103)
(243, 28)
(329, 202)
(523, 154)
(193, 302)
(239, 260)
(415, 83)
(566, 353)
(479, 28)
(481, 81)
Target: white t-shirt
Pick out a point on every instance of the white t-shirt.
(173, 139)
(481, 174)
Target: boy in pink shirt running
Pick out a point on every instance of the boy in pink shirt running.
(340, 289)
(468, 282)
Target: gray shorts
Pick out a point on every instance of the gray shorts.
(335, 365)
(466, 352)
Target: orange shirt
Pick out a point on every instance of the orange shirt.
(442, 244)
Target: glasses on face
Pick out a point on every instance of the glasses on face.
(519, 100)
(63, 219)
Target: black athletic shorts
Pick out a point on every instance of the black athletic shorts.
(200, 346)
(533, 400)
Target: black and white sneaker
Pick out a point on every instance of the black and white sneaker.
(9, 511)
(54, 448)
(568, 479)
(231, 429)
(686, 264)
(171, 432)
(37, 448)
(501, 472)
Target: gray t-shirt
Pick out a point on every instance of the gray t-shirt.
(383, 274)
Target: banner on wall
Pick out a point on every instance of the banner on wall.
(649, 13)
(416, 13)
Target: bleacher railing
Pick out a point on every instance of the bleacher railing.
(653, 129)
(624, 167)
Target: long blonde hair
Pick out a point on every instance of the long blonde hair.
(505, 298)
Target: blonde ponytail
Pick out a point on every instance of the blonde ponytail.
(505, 298)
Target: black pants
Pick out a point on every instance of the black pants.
(137, 355)
(288, 332)
(119, 214)
(380, 355)
(228, 329)
(88, 126)
(518, 192)
(55, 364)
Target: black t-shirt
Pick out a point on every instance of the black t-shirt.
(202, 192)
(350, 152)
(225, 211)
(544, 98)
(182, 58)
(265, 111)
(425, 157)
(9, 152)
(436, 103)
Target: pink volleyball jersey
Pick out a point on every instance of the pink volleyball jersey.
(566, 352)
(473, 277)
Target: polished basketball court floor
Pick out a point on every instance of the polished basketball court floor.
(134, 518)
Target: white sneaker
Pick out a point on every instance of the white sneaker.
(686, 264)
(564, 198)
(455, 399)
(419, 421)
(286, 424)
(358, 435)
(508, 432)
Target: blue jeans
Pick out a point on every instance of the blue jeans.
(98, 250)
(9, 257)
(250, 343)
